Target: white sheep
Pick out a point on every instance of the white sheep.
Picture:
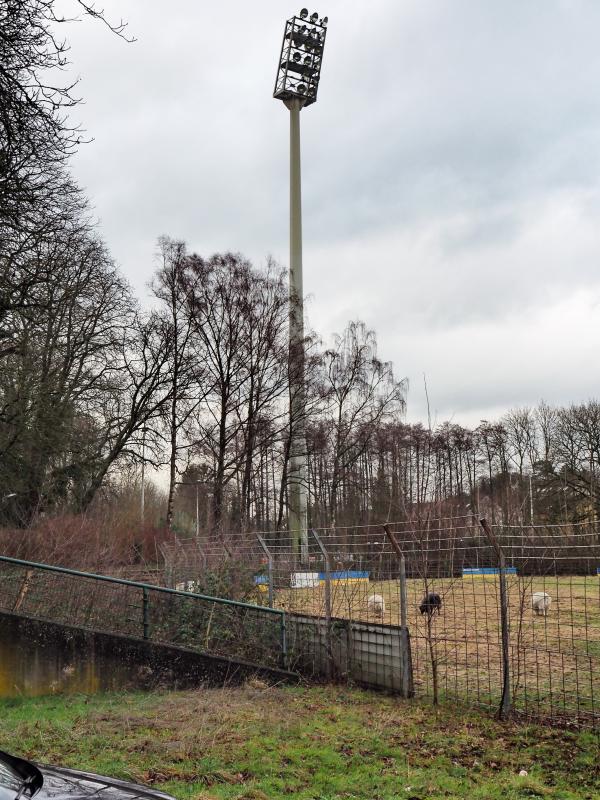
(376, 605)
(540, 603)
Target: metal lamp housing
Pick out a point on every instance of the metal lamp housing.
(300, 61)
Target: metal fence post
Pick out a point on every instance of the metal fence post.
(168, 568)
(284, 647)
(505, 703)
(145, 612)
(325, 555)
(403, 600)
(267, 552)
(407, 688)
(202, 555)
(402, 573)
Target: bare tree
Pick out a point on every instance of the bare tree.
(36, 138)
(172, 289)
(82, 370)
(238, 325)
(363, 394)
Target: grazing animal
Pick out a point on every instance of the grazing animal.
(541, 602)
(376, 605)
(431, 603)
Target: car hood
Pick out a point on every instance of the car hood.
(71, 784)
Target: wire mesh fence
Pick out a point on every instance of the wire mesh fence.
(514, 611)
(554, 599)
(215, 626)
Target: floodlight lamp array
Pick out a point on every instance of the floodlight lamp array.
(301, 57)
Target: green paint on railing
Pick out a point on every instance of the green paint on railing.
(232, 628)
(145, 612)
(148, 586)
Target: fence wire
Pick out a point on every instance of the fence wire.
(209, 625)
(341, 591)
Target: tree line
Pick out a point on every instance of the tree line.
(229, 426)
(533, 466)
(82, 367)
(230, 432)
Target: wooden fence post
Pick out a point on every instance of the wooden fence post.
(505, 703)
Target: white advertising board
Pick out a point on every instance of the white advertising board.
(304, 580)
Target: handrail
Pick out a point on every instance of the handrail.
(123, 582)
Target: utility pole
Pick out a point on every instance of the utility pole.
(531, 499)
(198, 509)
(209, 496)
(143, 498)
(297, 82)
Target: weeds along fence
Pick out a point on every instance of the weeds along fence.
(488, 643)
(212, 625)
(555, 653)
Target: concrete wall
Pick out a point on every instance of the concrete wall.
(38, 657)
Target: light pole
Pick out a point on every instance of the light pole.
(297, 82)
(530, 500)
(209, 496)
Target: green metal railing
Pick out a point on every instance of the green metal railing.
(212, 625)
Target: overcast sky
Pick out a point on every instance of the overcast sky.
(451, 175)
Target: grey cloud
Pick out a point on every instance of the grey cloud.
(450, 168)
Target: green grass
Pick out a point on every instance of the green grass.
(260, 742)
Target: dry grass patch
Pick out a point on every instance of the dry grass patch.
(307, 743)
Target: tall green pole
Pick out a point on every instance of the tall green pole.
(297, 471)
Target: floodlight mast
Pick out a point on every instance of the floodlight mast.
(296, 84)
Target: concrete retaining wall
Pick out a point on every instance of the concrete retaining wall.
(39, 657)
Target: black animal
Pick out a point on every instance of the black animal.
(431, 603)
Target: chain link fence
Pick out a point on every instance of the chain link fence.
(452, 609)
(211, 625)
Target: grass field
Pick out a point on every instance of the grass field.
(260, 742)
(555, 658)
